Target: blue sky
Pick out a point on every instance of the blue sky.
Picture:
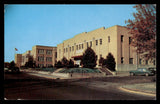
(48, 25)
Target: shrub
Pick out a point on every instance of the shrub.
(59, 64)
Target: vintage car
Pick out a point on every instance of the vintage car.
(141, 71)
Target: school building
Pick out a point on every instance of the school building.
(115, 40)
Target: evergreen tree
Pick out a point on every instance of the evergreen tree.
(65, 62)
(109, 62)
(89, 58)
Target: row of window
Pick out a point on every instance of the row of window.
(130, 60)
(47, 65)
(48, 59)
(81, 46)
(41, 51)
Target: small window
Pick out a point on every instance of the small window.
(130, 39)
(96, 42)
(87, 44)
(100, 41)
(90, 43)
(121, 38)
(100, 55)
(108, 39)
(64, 50)
(130, 60)
(76, 47)
(146, 62)
(72, 48)
(122, 60)
(79, 46)
(82, 46)
(140, 61)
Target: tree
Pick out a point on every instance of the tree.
(109, 62)
(12, 65)
(59, 64)
(65, 62)
(70, 64)
(143, 30)
(89, 58)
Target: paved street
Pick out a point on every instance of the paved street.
(28, 87)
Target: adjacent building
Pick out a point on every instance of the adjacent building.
(43, 56)
(115, 40)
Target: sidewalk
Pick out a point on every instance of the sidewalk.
(148, 88)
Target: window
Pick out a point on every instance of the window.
(90, 43)
(41, 65)
(76, 47)
(87, 44)
(96, 42)
(130, 60)
(55, 54)
(82, 46)
(100, 41)
(79, 46)
(41, 51)
(49, 52)
(130, 39)
(49, 59)
(146, 62)
(154, 62)
(40, 58)
(108, 39)
(140, 61)
(121, 38)
(122, 60)
(72, 48)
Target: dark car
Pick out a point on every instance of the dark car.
(141, 71)
(153, 69)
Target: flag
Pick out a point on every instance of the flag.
(16, 49)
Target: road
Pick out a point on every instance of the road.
(28, 87)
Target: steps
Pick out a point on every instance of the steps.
(107, 71)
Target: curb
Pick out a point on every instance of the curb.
(137, 91)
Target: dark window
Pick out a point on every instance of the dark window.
(96, 42)
(100, 41)
(108, 39)
(146, 62)
(76, 47)
(55, 54)
(140, 61)
(87, 44)
(72, 48)
(79, 46)
(82, 46)
(122, 60)
(121, 38)
(130, 60)
(130, 39)
(90, 43)
(64, 50)
(154, 62)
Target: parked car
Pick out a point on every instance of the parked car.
(13, 70)
(141, 71)
(153, 69)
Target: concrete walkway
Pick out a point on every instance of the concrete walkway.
(142, 87)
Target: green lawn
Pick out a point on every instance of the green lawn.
(79, 70)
